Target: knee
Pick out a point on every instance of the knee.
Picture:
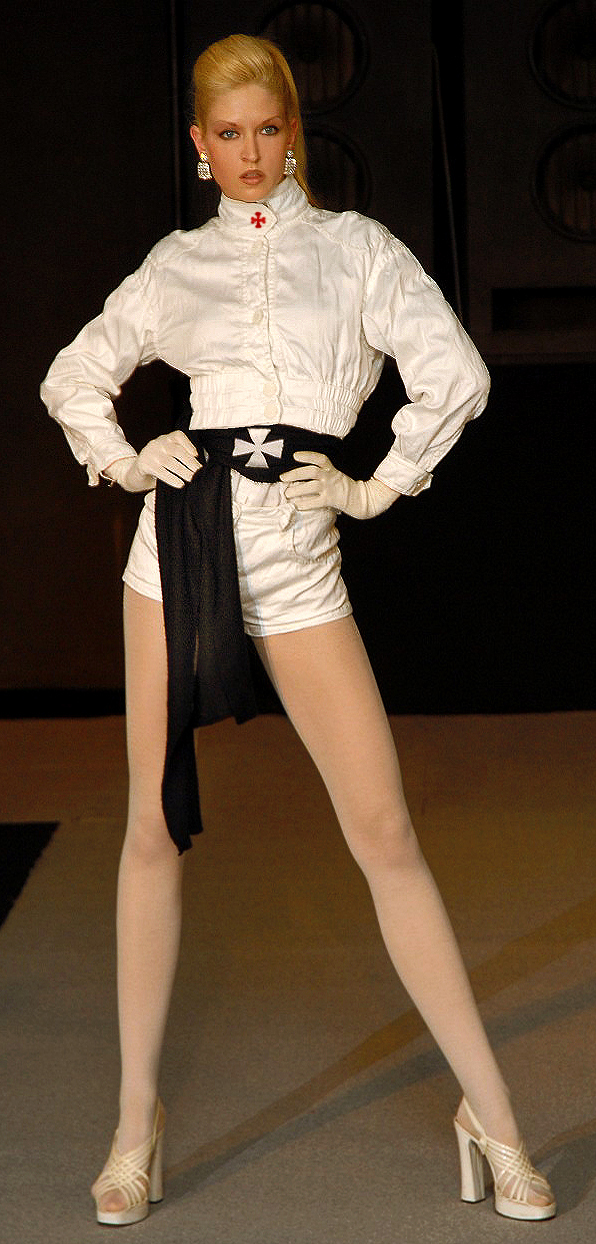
(147, 838)
(385, 842)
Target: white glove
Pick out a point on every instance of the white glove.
(320, 484)
(171, 458)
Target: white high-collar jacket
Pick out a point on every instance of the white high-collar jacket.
(278, 312)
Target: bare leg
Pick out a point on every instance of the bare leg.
(324, 679)
(149, 882)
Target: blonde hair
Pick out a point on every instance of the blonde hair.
(240, 60)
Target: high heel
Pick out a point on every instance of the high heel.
(513, 1174)
(137, 1176)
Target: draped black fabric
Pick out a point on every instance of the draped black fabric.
(209, 674)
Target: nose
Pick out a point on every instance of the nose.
(250, 150)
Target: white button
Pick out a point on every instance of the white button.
(270, 409)
(269, 388)
(257, 316)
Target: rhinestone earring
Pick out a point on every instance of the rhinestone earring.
(290, 164)
(203, 167)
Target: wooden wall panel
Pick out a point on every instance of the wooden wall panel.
(531, 171)
(86, 113)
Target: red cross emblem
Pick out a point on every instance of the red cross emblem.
(258, 221)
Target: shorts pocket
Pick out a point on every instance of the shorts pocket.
(313, 534)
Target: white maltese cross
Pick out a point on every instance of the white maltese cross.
(259, 452)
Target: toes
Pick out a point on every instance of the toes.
(112, 1203)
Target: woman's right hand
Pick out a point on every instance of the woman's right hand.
(171, 458)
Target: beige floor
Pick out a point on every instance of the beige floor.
(306, 1104)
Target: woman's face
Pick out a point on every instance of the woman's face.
(246, 137)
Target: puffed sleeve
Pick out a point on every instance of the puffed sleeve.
(87, 375)
(405, 315)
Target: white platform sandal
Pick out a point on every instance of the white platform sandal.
(514, 1176)
(137, 1177)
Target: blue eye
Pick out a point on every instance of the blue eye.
(270, 129)
(227, 133)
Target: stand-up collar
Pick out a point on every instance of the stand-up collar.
(286, 202)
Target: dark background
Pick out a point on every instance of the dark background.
(470, 130)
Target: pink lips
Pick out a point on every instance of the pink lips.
(252, 176)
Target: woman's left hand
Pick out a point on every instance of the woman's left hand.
(320, 484)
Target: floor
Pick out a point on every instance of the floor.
(306, 1102)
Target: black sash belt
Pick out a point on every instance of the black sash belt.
(209, 674)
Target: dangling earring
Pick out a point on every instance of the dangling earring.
(203, 167)
(290, 164)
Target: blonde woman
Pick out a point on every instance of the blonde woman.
(280, 315)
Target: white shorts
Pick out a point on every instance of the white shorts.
(288, 561)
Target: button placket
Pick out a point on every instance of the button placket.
(256, 291)
(270, 387)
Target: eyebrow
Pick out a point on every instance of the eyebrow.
(235, 125)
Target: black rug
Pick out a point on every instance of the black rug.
(21, 844)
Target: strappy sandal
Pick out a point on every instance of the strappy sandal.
(137, 1177)
(514, 1176)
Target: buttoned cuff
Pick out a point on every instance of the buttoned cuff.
(402, 475)
(105, 456)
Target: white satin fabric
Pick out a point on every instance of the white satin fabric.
(289, 563)
(277, 312)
